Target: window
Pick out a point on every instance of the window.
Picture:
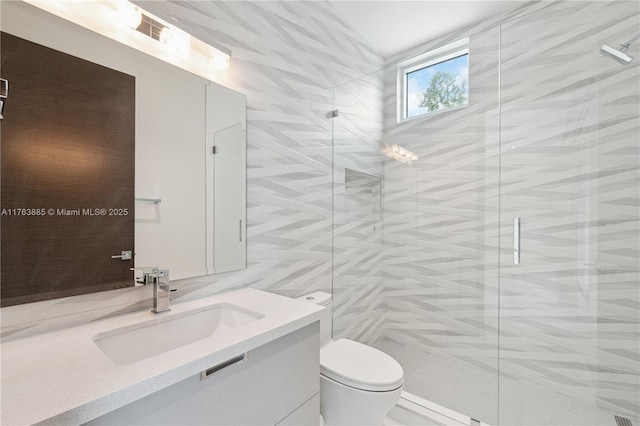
(434, 81)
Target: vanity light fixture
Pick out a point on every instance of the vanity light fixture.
(219, 59)
(133, 26)
(130, 14)
(175, 38)
(400, 153)
(179, 40)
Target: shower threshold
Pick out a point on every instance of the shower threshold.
(411, 410)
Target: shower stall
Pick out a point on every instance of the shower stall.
(544, 161)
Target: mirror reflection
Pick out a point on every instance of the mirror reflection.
(106, 128)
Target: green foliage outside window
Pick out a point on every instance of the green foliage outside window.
(443, 92)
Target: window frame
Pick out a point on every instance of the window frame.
(425, 60)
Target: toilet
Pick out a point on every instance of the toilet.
(358, 384)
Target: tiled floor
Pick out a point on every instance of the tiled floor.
(447, 381)
(467, 389)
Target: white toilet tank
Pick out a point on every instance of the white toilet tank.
(324, 299)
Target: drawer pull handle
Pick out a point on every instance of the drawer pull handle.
(225, 364)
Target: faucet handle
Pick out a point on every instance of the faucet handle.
(147, 272)
(159, 273)
(164, 284)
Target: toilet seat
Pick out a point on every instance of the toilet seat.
(360, 366)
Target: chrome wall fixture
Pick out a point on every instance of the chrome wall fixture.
(516, 240)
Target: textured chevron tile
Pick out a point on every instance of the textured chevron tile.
(358, 170)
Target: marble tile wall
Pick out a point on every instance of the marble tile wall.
(357, 237)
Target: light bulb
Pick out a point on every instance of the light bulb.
(400, 153)
(220, 60)
(175, 38)
(129, 14)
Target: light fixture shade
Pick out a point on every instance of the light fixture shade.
(129, 14)
(140, 29)
(219, 59)
(175, 38)
(401, 154)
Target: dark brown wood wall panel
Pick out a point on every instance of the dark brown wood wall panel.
(68, 142)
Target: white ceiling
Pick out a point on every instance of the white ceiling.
(392, 26)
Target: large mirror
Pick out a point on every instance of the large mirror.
(175, 194)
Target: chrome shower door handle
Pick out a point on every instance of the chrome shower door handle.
(516, 240)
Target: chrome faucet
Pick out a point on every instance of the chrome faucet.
(159, 278)
(161, 290)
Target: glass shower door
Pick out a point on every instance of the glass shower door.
(441, 237)
(570, 170)
(415, 243)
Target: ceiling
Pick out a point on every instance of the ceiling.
(392, 26)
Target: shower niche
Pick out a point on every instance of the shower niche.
(362, 197)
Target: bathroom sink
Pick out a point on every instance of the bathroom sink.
(133, 343)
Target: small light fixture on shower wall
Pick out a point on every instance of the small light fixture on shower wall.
(400, 153)
(133, 26)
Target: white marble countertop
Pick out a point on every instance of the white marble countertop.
(62, 377)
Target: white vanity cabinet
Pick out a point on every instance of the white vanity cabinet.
(277, 383)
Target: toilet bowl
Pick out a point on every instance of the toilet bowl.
(358, 384)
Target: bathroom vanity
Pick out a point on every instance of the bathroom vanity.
(257, 363)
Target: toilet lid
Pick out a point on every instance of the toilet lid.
(360, 366)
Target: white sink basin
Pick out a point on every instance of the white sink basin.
(143, 340)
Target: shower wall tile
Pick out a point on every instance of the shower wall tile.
(286, 57)
(358, 248)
